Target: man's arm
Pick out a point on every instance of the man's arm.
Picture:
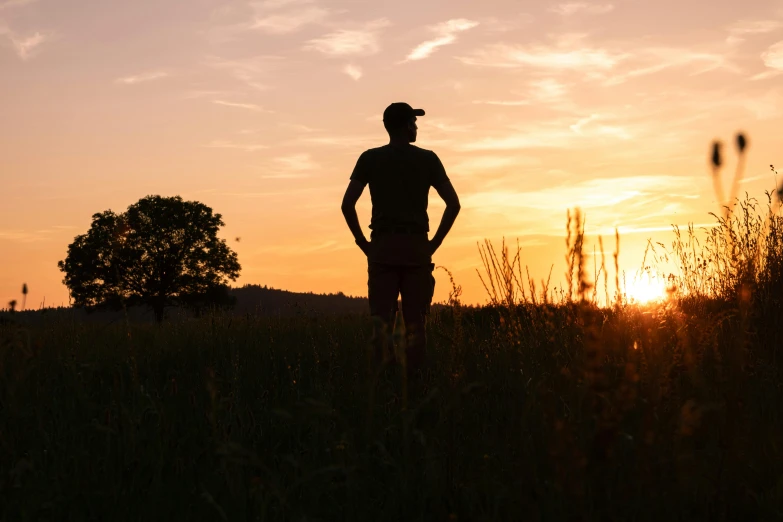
(449, 195)
(352, 195)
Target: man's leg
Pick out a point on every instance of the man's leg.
(383, 288)
(417, 288)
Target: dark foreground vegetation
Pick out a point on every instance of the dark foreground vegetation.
(534, 413)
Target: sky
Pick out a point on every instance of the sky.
(260, 109)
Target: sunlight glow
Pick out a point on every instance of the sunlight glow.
(645, 289)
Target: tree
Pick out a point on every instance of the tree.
(160, 252)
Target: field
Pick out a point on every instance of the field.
(538, 406)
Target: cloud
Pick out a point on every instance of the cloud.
(573, 8)
(26, 236)
(143, 77)
(25, 47)
(246, 106)
(446, 34)
(289, 22)
(247, 147)
(773, 57)
(647, 61)
(594, 193)
(297, 162)
(277, 4)
(7, 4)
(584, 131)
(251, 71)
(206, 93)
(348, 141)
(350, 42)
(517, 141)
(503, 103)
(444, 126)
(298, 249)
(484, 164)
(545, 90)
(611, 66)
(559, 57)
(354, 71)
(739, 30)
(587, 126)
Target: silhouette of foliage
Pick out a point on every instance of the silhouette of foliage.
(160, 252)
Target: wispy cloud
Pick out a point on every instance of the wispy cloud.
(565, 132)
(520, 140)
(287, 21)
(545, 90)
(333, 140)
(143, 77)
(207, 93)
(445, 126)
(740, 30)
(593, 193)
(354, 71)
(484, 164)
(589, 126)
(503, 103)
(26, 236)
(573, 8)
(567, 54)
(247, 147)
(297, 249)
(446, 34)
(238, 105)
(297, 162)
(25, 46)
(350, 42)
(7, 4)
(773, 59)
(253, 71)
(647, 61)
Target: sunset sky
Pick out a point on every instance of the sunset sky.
(260, 110)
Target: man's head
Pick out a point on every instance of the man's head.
(400, 121)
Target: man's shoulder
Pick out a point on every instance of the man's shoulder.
(375, 151)
(422, 152)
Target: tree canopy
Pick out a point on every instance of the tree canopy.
(161, 251)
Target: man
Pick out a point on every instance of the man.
(399, 254)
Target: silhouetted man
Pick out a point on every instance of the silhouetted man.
(399, 254)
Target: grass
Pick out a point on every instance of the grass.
(539, 406)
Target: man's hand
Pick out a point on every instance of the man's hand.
(364, 245)
(434, 245)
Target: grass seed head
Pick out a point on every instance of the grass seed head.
(742, 142)
(716, 157)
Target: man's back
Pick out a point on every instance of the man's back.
(400, 177)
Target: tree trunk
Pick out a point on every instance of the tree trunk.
(158, 307)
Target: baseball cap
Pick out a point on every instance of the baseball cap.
(400, 113)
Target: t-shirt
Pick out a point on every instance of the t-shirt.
(400, 178)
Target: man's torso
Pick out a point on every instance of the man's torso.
(399, 180)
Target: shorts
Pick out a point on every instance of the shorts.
(414, 283)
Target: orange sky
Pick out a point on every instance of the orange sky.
(260, 109)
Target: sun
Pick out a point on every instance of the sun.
(644, 289)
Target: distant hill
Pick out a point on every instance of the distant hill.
(250, 299)
(261, 300)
